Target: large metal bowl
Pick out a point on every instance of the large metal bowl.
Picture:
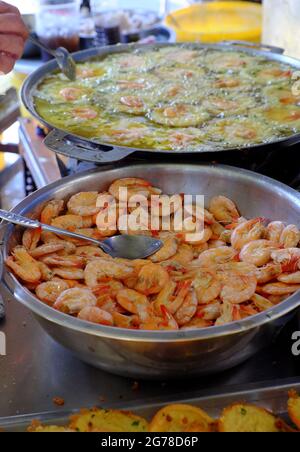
(168, 354)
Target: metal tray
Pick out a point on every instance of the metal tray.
(272, 397)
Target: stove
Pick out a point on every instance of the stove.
(35, 362)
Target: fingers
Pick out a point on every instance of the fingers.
(12, 24)
(6, 8)
(7, 63)
(12, 44)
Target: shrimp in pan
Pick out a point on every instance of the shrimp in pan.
(239, 266)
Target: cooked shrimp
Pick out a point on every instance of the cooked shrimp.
(133, 186)
(68, 222)
(290, 278)
(92, 233)
(43, 250)
(46, 272)
(211, 311)
(276, 299)
(172, 296)
(268, 272)
(289, 237)
(196, 323)
(227, 313)
(31, 238)
(274, 231)
(225, 236)
(217, 229)
(207, 287)
(127, 84)
(107, 220)
(90, 252)
(261, 302)
(113, 286)
(223, 209)
(194, 233)
(183, 256)
(69, 273)
(215, 105)
(246, 232)
(70, 94)
(49, 237)
(49, 291)
(168, 250)
(152, 278)
(227, 83)
(236, 268)
(289, 258)
(257, 252)
(135, 303)
(237, 289)
(213, 257)
(132, 101)
(72, 301)
(83, 204)
(96, 315)
(280, 288)
(187, 310)
(85, 113)
(64, 261)
(52, 210)
(198, 249)
(216, 244)
(165, 322)
(101, 269)
(24, 266)
(126, 321)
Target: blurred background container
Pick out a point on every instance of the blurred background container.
(58, 24)
(216, 21)
(282, 25)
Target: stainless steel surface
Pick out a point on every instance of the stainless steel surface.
(64, 59)
(19, 219)
(124, 246)
(131, 247)
(77, 147)
(271, 397)
(41, 162)
(168, 354)
(255, 45)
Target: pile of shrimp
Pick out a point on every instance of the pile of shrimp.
(239, 268)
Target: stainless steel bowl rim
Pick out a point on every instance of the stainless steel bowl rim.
(27, 298)
(30, 84)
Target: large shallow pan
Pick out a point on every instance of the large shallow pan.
(167, 354)
(71, 145)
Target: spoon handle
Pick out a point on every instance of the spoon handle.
(38, 43)
(34, 224)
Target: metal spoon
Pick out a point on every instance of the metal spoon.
(62, 56)
(124, 246)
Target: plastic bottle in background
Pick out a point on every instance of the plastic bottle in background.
(58, 24)
(281, 27)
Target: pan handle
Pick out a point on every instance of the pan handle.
(65, 144)
(253, 45)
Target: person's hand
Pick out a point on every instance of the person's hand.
(13, 35)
